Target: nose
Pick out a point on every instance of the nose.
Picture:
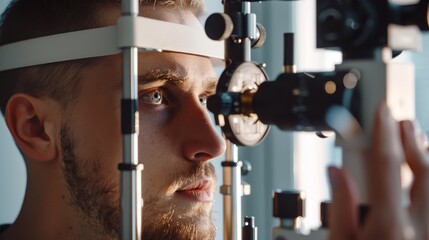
(202, 140)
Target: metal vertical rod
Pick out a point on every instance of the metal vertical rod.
(232, 200)
(236, 50)
(131, 192)
(247, 45)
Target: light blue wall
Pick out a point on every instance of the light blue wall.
(12, 170)
(3, 5)
(421, 60)
(12, 177)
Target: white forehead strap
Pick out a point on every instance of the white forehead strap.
(141, 32)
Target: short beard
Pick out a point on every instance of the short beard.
(97, 200)
(169, 226)
(94, 197)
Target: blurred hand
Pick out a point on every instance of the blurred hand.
(392, 144)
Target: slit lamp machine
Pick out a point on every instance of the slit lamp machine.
(368, 33)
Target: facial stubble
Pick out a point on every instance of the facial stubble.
(97, 200)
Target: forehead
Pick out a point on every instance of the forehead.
(110, 14)
(197, 70)
(189, 66)
(184, 64)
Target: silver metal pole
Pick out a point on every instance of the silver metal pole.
(232, 192)
(232, 188)
(247, 45)
(131, 196)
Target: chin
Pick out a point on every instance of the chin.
(176, 226)
(178, 218)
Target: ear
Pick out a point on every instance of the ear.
(32, 122)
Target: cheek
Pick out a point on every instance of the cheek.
(159, 146)
(155, 132)
(98, 138)
(154, 143)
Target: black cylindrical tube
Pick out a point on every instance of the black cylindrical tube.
(250, 232)
(300, 101)
(288, 56)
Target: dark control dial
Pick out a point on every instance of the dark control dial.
(219, 26)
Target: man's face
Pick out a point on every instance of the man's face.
(176, 142)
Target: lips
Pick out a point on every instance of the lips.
(200, 190)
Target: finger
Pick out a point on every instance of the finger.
(414, 142)
(417, 158)
(421, 136)
(383, 166)
(384, 163)
(342, 211)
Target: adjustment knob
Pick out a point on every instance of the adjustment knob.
(246, 168)
(288, 204)
(261, 36)
(219, 26)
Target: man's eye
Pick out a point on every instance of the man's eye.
(203, 100)
(154, 97)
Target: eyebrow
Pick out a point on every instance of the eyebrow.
(172, 77)
(212, 84)
(165, 75)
